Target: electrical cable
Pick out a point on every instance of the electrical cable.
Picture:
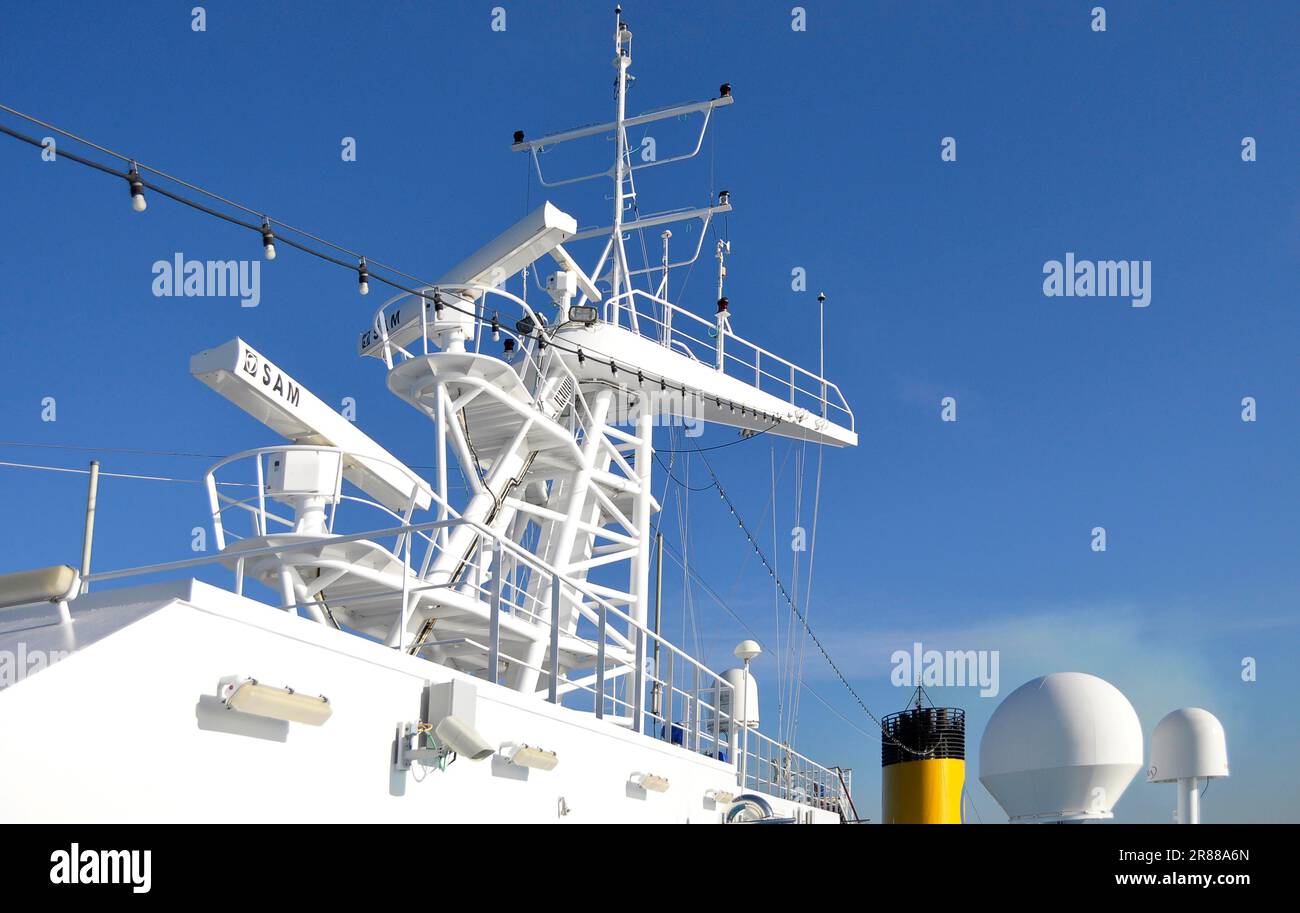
(430, 294)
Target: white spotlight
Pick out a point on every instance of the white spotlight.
(528, 756)
(650, 782)
(249, 696)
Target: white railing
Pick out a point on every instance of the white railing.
(264, 521)
(776, 769)
(481, 319)
(686, 696)
(710, 342)
(706, 341)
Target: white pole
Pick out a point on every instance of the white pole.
(744, 732)
(87, 540)
(440, 419)
(1189, 801)
(821, 345)
(622, 60)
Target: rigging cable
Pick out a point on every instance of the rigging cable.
(807, 600)
(821, 648)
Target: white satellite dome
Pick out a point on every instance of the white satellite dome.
(1188, 743)
(1061, 747)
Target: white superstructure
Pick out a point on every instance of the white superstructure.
(410, 632)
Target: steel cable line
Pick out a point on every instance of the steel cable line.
(479, 315)
(731, 506)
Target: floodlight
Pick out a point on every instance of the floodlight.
(250, 696)
(650, 782)
(529, 756)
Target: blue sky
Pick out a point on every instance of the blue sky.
(1072, 412)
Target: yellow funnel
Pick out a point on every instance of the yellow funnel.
(923, 756)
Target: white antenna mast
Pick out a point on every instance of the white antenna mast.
(622, 171)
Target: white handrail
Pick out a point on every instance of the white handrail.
(670, 335)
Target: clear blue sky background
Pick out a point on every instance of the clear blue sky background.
(1073, 413)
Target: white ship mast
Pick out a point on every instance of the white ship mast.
(556, 444)
(539, 580)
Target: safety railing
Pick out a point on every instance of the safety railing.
(685, 710)
(483, 322)
(263, 519)
(706, 341)
(712, 342)
(778, 770)
(683, 704)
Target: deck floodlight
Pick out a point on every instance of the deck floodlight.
(719, 796)
(248, 695)
(48, 584)
(528, 756)
(724, 197)
(724, 90)
(519, 137)
(650, 782)
(584, 314)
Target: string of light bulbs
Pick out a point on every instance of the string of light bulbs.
(364, 266)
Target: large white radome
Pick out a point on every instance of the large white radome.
(1061, 747)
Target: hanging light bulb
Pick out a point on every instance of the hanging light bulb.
(363, 275)
(138, 202)
(496, 328)
(268, 239)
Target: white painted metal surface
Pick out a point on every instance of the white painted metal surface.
(1061, 747)
(266, 392)
(535, 589)
(190, 759)
(1188, 746)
